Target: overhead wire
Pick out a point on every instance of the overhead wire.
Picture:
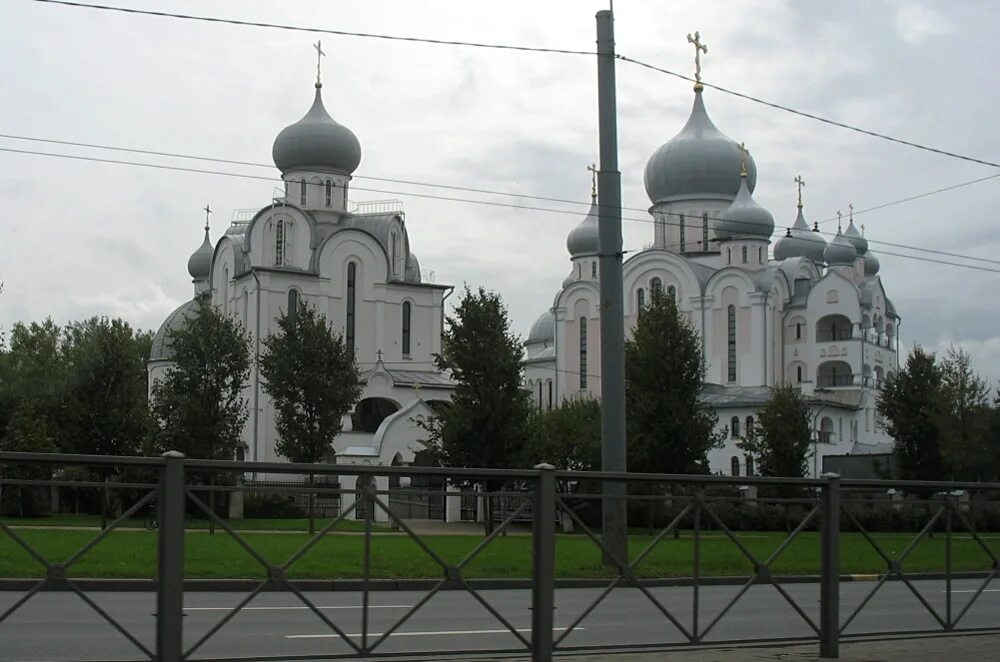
(574, 213)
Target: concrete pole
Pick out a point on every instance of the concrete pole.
(609, 198)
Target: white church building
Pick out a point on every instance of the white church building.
(804, 310)
(353, 263)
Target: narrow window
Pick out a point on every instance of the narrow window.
(406, 328)
(550, 394)
(732, 343)
(293, 304)
(656, 285)
(392, 253)
(798, 374)
(583, 353)
(352, 269)
(279, 243)
(246, 309)
(760, 255)
(798, 330)
(749, 464)
(579, 270)
(225, 291)
(539, 395)
(735, 466)
(672, 293)
(749, 430)
(329, 192)
(704, 231)
(593, 269)
(734, 427)
(302, 191)
(683, 241)
(744, 255)
(640, 300)
(729, 256)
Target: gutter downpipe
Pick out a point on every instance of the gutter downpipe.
(256, 370)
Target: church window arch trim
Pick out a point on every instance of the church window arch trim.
(406, 328)
(352, 288)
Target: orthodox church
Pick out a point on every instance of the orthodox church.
(803, 311)
(353, 263)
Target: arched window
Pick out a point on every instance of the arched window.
(302, 191)
(406, 328)
(683, 241)
(798, 330)
(732, 343)
(656, 285)
(583, 353)
(539, 395)
(735, 468)
(734, 427)
(293, 304)
(798, 374)
(550, 394)
(225, 290)
(729, 256)
(749, 429)
(749, 464)
(760, 255)
(744, 255)
(640, 300)
(329, 192)
(352, 271)
(246, 309)
(593, 269)
(704, 231)
(279, 243)
(672, 292)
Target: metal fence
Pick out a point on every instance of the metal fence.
(700, 505)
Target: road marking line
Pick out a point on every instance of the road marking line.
(296, 608)
(333, 635)
(986, 590)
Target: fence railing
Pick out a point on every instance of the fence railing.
(828, 510)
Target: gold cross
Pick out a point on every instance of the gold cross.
(744, 153)
(699, 48)
(801, 182)
(319, 54)
(593, 180)
(208, 210)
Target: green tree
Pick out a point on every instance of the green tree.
(313, 381)
(32, 372)
(198, 406)
(780, 442)
(909, 401)
(669, 429)
(962, 416)
(487, 423)
(568, 437)
(27, 432)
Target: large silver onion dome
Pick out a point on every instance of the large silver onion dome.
(816, 245)
(700, 161)
(544, 329)
(872, 264)
(582, 240)
(856, 238)
(840, 251)
(744, 219)
(317, 142)
(200, 262)
(794, 243)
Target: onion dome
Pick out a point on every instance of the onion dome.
(816, 245)
(582, 240)
(795, 243)
(317, 142)
(840, 251)
(543, 330)
(744, 219)
(856, 238)
(200, 262)
(699, 162)
(871, 264)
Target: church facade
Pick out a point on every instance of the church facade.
(803, 311)
(354, 264)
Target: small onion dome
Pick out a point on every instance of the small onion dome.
(582, 240)
(840, 250)
(856, 238)
(316, 142)
(795, 243)
(871, 264)
(744, 219)
(700, 161)
(200, 262)
(543, 330)
(816, 245)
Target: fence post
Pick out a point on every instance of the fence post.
(829, 596)
(544, 565)
(170, 560)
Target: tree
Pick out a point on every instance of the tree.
(313, 381)
(487, 422)
(669, 429)
(908, 402)
(780, 442)
(32, 372)
(568, 437)
(198, 407)
(27, 432)
(962, 416)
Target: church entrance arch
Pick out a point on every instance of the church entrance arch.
(370, 412)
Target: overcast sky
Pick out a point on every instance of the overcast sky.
(84, 239)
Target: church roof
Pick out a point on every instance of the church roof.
(160, 349)
(422, 378)
(719, 396)
(317, 142)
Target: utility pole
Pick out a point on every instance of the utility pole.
(609, 201)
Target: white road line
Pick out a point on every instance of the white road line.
(987, 590)
(439, 633)
(296, 608)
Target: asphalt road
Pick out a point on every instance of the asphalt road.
(60, 626)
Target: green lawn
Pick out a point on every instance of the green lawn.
(94, 522)
(133, 554)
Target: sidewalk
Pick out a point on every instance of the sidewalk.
(981, 647)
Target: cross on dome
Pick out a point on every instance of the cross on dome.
(699, 48)
(208, 210)
(592, 168)
(800, 182)
(743, 159)
(319, 56)
(840, 218)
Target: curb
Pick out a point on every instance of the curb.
(340, 585)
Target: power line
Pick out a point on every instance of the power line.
(302, 28)
(158, 166)
(812, 116)
(468, 200)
